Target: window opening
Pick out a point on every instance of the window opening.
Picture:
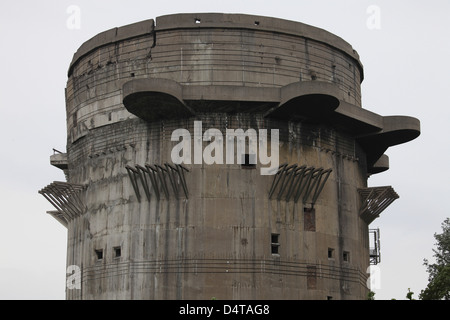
(346, 256)
(309, 219)
(249, 161)
(275, 243)
(99, 254)
(330, 253)
(117, 252)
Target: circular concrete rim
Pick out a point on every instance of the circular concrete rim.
(214, 20)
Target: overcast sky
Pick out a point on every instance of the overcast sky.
(403, 45)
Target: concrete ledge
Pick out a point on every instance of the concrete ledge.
(310, 99)
(296, 89)
(59, 160)
(314, 100)
(400, 129)
(166, 86)
(155, 99)
(356, 120)
(396, 130)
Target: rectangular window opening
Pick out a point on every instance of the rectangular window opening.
(99, 254)
(248, 161)
(309, 219)
(275, 243)
(117, 252)
(346, 256)
(330, 253)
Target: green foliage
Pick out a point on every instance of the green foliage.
(409, 295)
(371, 295)
(439, 272)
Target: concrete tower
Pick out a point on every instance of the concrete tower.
(220, 155)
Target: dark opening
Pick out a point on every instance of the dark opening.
(330, 253)
(346, 256)
(275, 243)
(117, 252)
(99, 254)
(249, 161)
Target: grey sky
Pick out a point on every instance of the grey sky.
(407, 68)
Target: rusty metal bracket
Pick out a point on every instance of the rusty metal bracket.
(156, 177)
(375, 200)
(294, 181)
(325, 174)
(66, 198)
(132, 173)
(277, 179)
(162, 179)
(153, 173)
(142, 175)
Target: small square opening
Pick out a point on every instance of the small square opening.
(346, 256)
(99, 254)
(117, 252)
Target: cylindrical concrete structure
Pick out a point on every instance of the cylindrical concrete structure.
(157, 203)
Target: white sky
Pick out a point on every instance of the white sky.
(407, 69)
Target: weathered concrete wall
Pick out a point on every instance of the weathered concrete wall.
(217, 242)
(215, 239)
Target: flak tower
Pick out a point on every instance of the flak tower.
(286, 217)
